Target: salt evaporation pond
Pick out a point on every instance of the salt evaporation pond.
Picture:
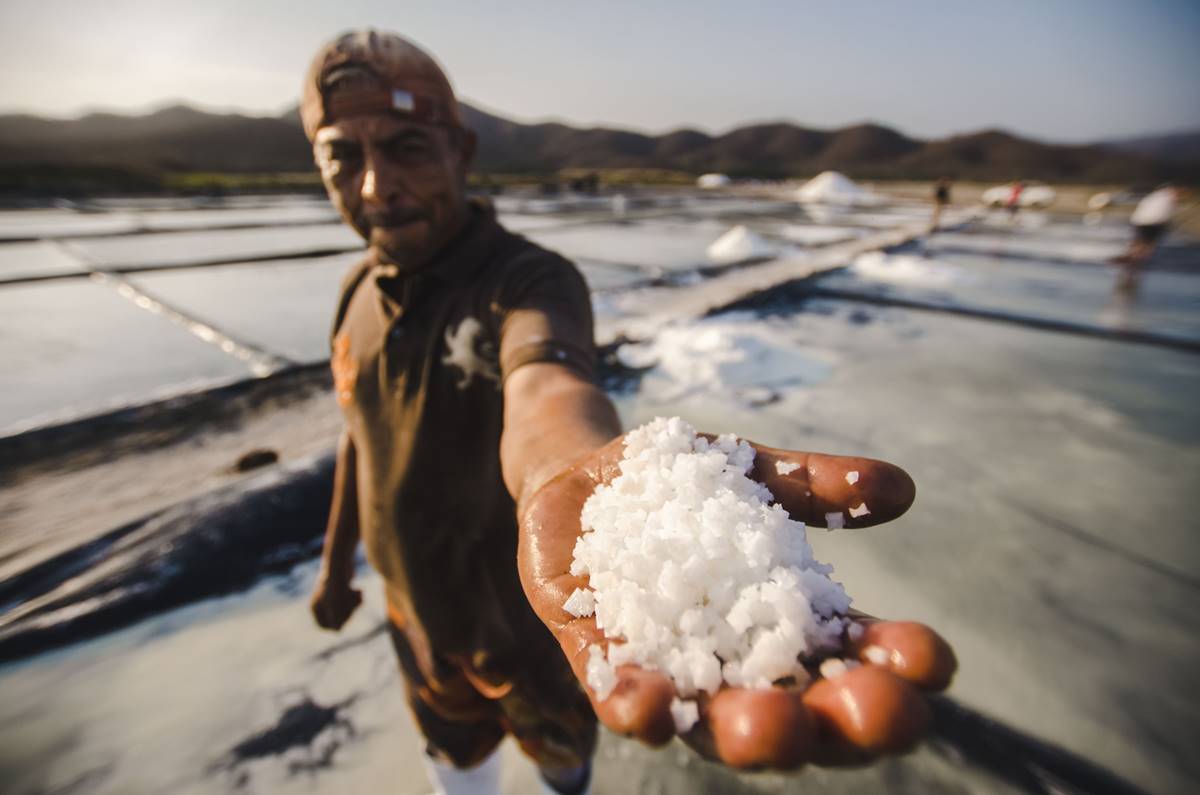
(1037, 456)
(78, 347)
(283, 306)
(165, 249)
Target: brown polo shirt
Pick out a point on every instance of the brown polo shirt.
(418, 364)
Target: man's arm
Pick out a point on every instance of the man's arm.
(333, 599)
(552, 417)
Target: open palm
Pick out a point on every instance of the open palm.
(865, 712)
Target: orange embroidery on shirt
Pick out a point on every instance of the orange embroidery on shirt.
(345, 370)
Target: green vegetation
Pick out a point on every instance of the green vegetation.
(213, 182)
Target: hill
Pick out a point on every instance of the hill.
(182, 139)
(1180, 147)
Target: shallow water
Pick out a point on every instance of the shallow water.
(76, 347)
(164, 250)
(285, 307)
(1168, 302)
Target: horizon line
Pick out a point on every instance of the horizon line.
(233, 110)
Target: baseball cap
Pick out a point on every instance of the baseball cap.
(365, 72)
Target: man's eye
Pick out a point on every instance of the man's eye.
(344, 154)
(410, 149)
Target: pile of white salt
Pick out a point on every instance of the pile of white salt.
(693, 571)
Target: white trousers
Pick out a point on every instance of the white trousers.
(483, 779)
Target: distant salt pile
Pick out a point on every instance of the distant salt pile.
(740, 244)
(710, 181)
(702, 577)
(830, 187)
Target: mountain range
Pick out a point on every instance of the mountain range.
(183, 139)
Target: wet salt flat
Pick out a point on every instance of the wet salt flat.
(78, 347)
(21, 261)
(643, 244)
(1053, 540)
(25, 224)
(606, 276)
(284, 307)
(125, 216)
(1053, 537)
(1018, 246)
(1169, 302)
(165, 250)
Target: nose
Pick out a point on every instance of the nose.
(380, 185)
(371, 193)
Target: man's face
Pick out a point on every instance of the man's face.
(401, 185)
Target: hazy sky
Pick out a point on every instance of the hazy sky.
(1055, 69)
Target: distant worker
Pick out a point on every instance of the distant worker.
(1014, 199)
(941, 198)
(1150, 220)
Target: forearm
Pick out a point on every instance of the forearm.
(341, 533)
(551, 419)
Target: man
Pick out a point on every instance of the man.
(1150, 220)
(1014, 199)
(463, 361)
(941, 199)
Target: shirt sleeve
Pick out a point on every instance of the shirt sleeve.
(545, 315)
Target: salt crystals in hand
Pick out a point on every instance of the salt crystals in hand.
(697, 574)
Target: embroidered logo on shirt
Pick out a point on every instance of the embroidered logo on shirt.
(469, 354)
(345, 370)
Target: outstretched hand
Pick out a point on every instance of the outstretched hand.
(865, 712)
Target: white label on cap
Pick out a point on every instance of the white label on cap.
(402, 100)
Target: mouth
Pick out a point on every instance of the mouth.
(394, 221)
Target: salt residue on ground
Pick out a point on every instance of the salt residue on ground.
(830, 187)
(905, 268)
(736, 353)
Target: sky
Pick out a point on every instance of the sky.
(1061, 70)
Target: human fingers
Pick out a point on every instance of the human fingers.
(829, 490)
(638, 705)
(755, 729)
(912, 651)
(864, 712)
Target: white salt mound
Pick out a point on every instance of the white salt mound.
(739, 244)
(696, 573)
(831, 187)
(710, 181)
